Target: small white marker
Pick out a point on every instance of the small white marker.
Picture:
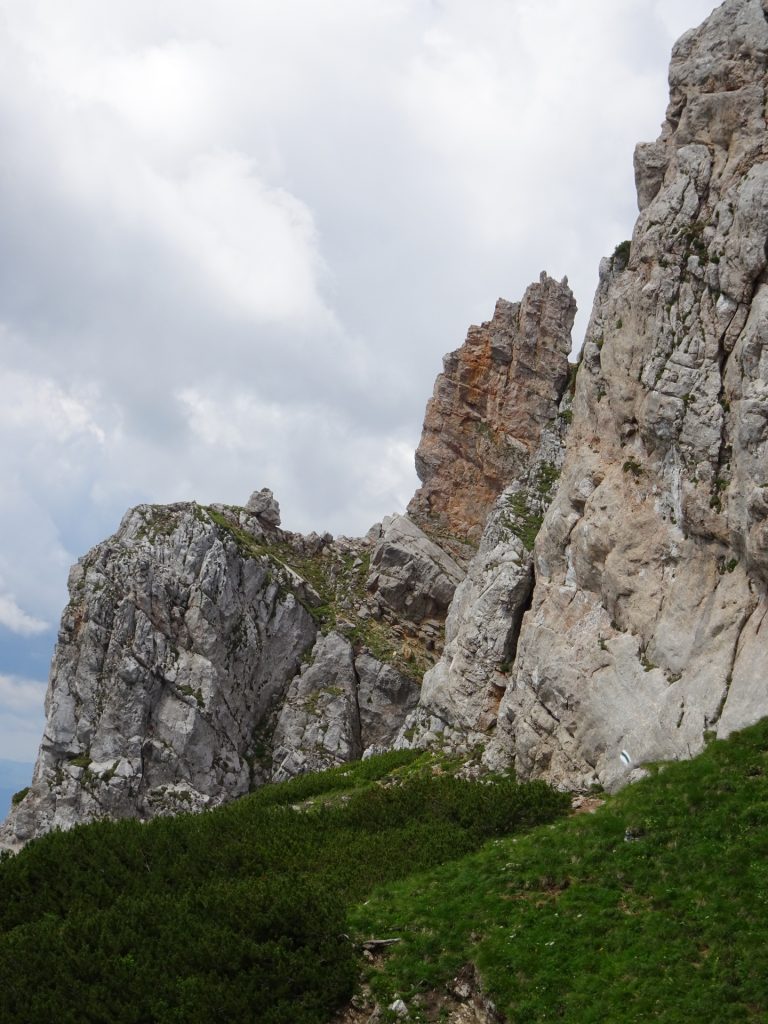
(625, 759)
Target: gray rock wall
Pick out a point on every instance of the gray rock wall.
(645, 633)
(180, 676)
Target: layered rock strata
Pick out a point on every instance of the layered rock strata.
(646, 633)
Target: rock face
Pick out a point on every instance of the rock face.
(339, 708)
(460, 696)
(205, 650)
(179, 661)
(263, 505)
(493, 442)
(646, 629)
(495, 396)
(414, 577)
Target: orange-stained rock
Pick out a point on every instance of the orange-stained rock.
(492, 400)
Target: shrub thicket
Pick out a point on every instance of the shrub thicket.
(237, 914)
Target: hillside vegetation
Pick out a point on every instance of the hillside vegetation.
(655, 908)
(235, 915)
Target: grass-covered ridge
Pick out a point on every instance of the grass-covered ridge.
(653, 909)
(238, 914)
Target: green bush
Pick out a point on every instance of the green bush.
(237, 914)
(620, 257)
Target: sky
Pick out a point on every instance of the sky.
(236, 240)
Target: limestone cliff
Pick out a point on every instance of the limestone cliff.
(205, 650)
(646, 632)
(190, 636)
(490, 455)
(494, 398)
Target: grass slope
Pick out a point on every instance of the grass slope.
(235, 915)
(655, 908)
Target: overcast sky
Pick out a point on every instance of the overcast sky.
(236, 239)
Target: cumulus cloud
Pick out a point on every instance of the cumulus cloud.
(17, 620)
(20, 694)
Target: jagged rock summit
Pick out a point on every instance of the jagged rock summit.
(205, 651)
(579, 585)
(484, 422)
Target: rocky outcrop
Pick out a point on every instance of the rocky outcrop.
(173, 647)
(205, 650)
(492, 443)
(179, 664)
(460, 695)
(605, 606)
(646, 628)
(484, 422)
(263, 505)
(413, 577)
(339, 708)
(318, 724)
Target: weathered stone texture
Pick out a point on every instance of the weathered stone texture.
(645, 629)
(495, 396)
(173, 647)
(175, 683)
(340, 708)
(460, 696)
(413, 577)
(205, 651)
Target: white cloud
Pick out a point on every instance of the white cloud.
(39, 408)
(17, 620)
(255, 245)
(21, 695)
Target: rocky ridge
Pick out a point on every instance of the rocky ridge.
(644, 633)
(580, 580)
(205, 650)
(188, 637)
(496, 396)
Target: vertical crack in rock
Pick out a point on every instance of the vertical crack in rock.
(516, 623)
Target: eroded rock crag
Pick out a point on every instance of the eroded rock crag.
(646, 632)
(205, 650)
(190, 636)
(492, 402)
